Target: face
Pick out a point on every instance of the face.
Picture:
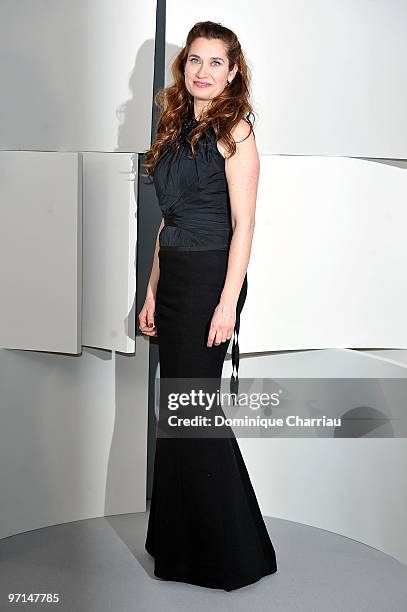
(207, 70)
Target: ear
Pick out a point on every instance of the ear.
(233, 73)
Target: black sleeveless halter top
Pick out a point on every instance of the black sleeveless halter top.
(193, 194)
(194, 200)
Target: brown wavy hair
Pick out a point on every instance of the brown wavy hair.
(225, 110)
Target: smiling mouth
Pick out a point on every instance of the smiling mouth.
(200, 84)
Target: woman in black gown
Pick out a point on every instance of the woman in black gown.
(205, 525)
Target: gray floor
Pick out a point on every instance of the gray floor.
(100, 565)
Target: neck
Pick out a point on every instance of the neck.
(199, 109)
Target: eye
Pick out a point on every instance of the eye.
(193, 59)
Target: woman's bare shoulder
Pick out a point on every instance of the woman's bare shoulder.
(240, 133)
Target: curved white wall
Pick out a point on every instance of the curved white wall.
(352, 486)
(78, 76)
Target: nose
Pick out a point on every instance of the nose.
(201, 74)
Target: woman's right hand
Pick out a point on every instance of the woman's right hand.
(146, 318)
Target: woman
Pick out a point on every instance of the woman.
(205, 525)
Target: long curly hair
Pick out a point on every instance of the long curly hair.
(225, 110)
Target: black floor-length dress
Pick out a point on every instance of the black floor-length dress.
(205, 526)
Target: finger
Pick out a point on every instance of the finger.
(150, 318)
(143, 318)
(144, 328)
(149, 333)
(218, 338)
(211, 336)
(224, 336)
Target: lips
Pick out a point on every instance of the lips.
(201, 84)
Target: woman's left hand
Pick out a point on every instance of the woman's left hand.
(222, 324)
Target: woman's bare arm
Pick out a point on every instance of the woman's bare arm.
(155, 268)
(146, 316)
(242, 173)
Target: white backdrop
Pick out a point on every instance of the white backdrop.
(328, 255)
(76, 80)
(328, 77)
(328, 80)
(76, 75)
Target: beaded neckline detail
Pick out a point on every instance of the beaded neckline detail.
(188, 125)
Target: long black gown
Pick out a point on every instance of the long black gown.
(205, 526)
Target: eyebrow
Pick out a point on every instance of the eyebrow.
(212, 58)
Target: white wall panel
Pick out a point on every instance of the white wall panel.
(72, 436)
(40, 251)
(328, 77)
(328, 255)
(109, 251)
(354, 487)
(395, 357)
(76, 75)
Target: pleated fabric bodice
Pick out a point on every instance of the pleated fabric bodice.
(193, 194)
